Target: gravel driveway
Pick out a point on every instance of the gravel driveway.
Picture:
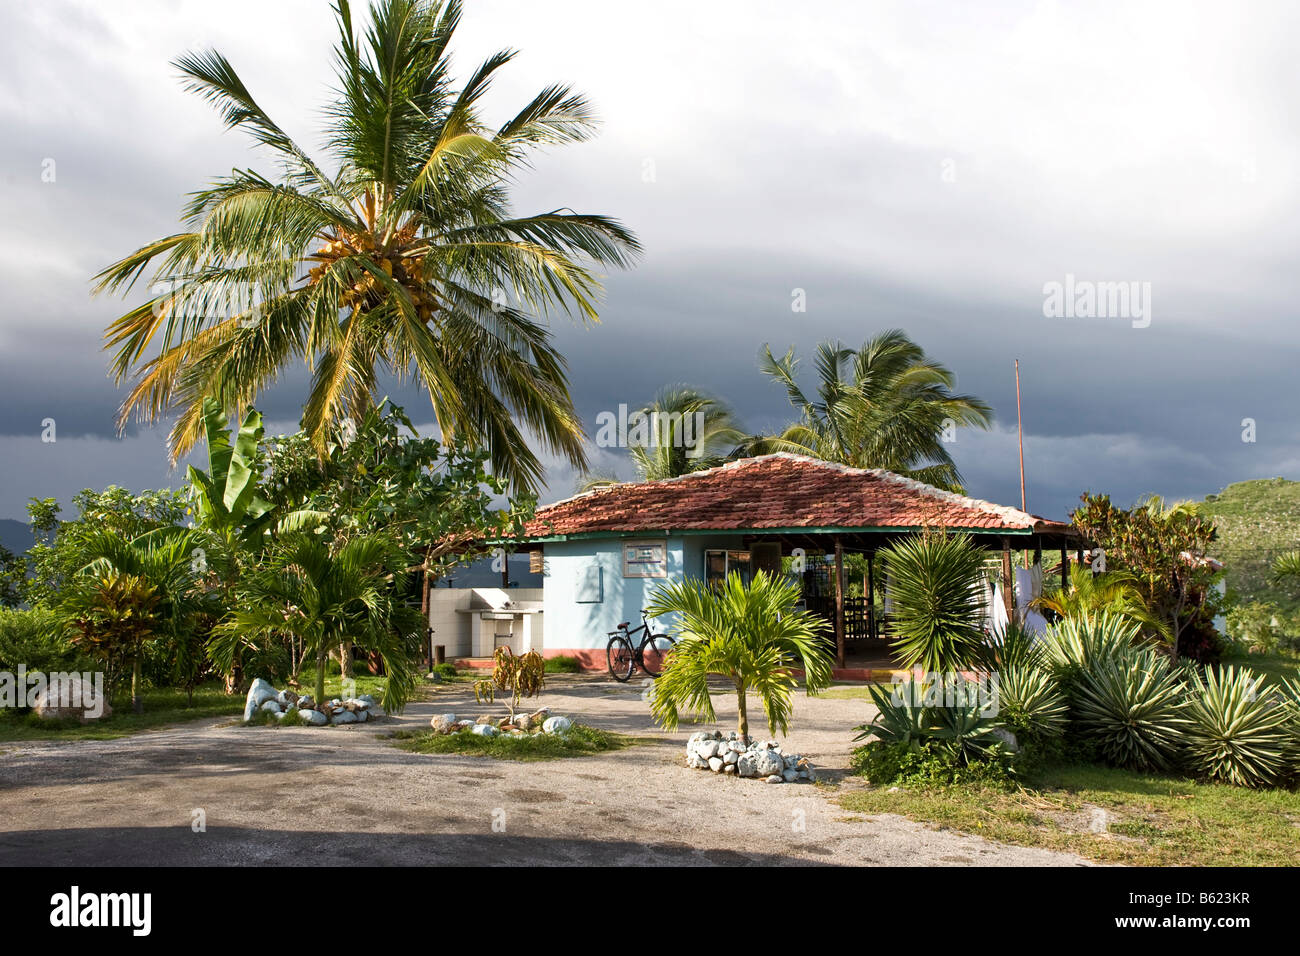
(343, 795)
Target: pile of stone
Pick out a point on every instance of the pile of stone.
(730, 754)
(280, 703)
(524, 725)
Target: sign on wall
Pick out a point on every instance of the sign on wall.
(645, 559)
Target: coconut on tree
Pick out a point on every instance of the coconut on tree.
(397, 251)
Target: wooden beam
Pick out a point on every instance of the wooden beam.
(839, 602)
(871, 595)
(1008, 581)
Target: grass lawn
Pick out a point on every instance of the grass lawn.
(1274, 666)
(162, 706)
(1141, 819)
(578, 742)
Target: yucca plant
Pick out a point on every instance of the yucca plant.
(1238, 729)
(934, 588)
(752, 635)
(901, 717)
(1130, 705)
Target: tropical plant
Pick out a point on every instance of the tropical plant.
(226, 496)
(751, 635)
(1164, 549)
(522, 675)
(34, 638)
(113, 616)
(917, 715)
(885, 405)
(1078, 643)
(936, 621)
(321, 597)
(1116, 592)
(1031, 703)
(1130, 705)
(1237, 729)
(406, 257)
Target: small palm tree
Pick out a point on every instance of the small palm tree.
(402, 256)
(323, 598)
(1113, 591)
(680, 414)
(885, 405)
(1287, 566)
(113, 616)
(750, 635)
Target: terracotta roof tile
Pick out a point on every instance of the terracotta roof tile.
(776, 491)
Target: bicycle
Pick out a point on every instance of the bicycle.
(624, 655)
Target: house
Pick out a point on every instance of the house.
(602, 553)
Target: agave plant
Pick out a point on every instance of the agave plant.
(903, 716)
(1238, 729)
(1030, 701)
(1078, 644)
(1130, 703)
(933, 585)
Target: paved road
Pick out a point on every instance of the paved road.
(345, 796)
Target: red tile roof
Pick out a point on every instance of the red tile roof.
(777, 491)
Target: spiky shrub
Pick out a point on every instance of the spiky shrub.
(1290, 691)
(1031, 703)
(905, 717)
(1079, 644)
(934, 587)
(1237, 729)
(1130, 706)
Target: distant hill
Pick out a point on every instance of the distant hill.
(15, 535)
(1256, 521)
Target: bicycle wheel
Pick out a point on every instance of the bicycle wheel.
(654, 653)
(619, 656)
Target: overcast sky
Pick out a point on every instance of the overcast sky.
(925, 165)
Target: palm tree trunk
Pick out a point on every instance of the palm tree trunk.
(322, 655)
(345, 659)
(742, 716)
(137, 704)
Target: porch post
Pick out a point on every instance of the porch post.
(871, 595)
(1008, 581)
(1065, 569)
(839, 602)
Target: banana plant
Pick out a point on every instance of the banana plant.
(226, 495)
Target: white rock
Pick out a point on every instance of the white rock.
(707, 749)
(767, 763)
(729, 768)
(730, 757)
(696, 762)
(484, 730)
(790, 776)
(258, 693)
(775, 778)
(557, 725)
(75, 698)
(716, 764)
(344, 717)
(271, 706)
(314, 717)
(747, 764)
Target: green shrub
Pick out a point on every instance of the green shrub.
(934, 588)
(1239, 729)
(1131, 704)
(35, 639)
(929, 765)
(563, 665)
(446, 670)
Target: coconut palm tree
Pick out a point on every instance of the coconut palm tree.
(885, 405)
(323, 597)
(405, 258)
(682, 429)
(751, 635)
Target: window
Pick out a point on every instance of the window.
(645, 559)
(718, 564)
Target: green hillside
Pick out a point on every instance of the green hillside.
(1256, 521)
